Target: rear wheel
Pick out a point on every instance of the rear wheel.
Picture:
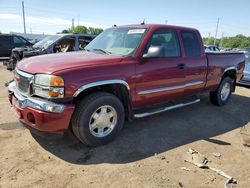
(222, 94)
(98, 119)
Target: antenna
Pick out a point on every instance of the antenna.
(143, 23)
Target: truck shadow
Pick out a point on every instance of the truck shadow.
(156, 134)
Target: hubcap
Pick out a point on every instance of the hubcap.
(103, 121)
(225, 91)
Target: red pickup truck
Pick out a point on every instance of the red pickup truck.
(126, 72)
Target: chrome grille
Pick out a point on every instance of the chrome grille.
(23, 81)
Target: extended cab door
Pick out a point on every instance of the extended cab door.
(160, 77)
(195, 62)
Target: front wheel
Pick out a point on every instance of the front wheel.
(221, 95)
(98, 119)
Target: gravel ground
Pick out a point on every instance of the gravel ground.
(148, 152)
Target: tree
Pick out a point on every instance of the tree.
(81, 29)
(94, 31)
(238, 41)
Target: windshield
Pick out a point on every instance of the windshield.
(118, 41)
(46, 41)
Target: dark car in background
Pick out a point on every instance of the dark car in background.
(10, 41)
(51, 44)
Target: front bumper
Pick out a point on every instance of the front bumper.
(40, 114)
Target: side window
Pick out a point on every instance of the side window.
(84, 41)
(66, 44)
(5, 41)
(167, 40)
(19, 40)
(191, 44)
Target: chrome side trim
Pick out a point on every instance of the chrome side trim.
(169, 88)
(100, 83)
(160, 89)
(194, 83)
(165, 109)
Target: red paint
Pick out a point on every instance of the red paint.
(47, 122)
(80, 68)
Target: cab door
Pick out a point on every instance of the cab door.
(195, 62)
(160, 76)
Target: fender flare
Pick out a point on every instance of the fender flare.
(100, 83)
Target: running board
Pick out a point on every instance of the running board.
(145, 114)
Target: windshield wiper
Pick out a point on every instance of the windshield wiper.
(103, 51)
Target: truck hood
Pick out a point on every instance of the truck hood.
(58, 62)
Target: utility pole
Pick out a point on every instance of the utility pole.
(73, 24)
(222, 37)
(78, 20)
(24, 25)
(216, 32)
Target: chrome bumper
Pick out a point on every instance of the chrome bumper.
(32, 102)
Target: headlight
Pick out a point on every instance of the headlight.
(48, 86)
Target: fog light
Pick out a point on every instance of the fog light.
(31, 118)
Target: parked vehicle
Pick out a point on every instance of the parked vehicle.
(247, 50)
(10, 41)
(126, 72)
(245, 80)
(51, 44)
(211, 48)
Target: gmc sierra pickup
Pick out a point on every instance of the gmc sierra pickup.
(126, 72)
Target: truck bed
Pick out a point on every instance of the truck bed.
(219, 62)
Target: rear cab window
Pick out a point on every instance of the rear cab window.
(191, 43)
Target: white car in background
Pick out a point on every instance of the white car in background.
(245, 80)
(211, 48)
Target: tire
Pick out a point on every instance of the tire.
(217, 97)
(98, 110)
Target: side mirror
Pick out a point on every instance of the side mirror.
(154, 51)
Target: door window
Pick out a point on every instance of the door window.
(167, 40)
(5, 41)
(84, 41)
(67, 44)
(19, 40)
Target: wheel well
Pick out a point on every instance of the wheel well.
(232, 74)
(118, 90)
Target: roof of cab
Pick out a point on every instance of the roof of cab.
(156, 26)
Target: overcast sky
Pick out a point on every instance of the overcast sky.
(51, 16)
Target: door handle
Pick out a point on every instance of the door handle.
(181, 66)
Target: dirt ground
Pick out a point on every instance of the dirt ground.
(148, 152)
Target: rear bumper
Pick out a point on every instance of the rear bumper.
(32, 112)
